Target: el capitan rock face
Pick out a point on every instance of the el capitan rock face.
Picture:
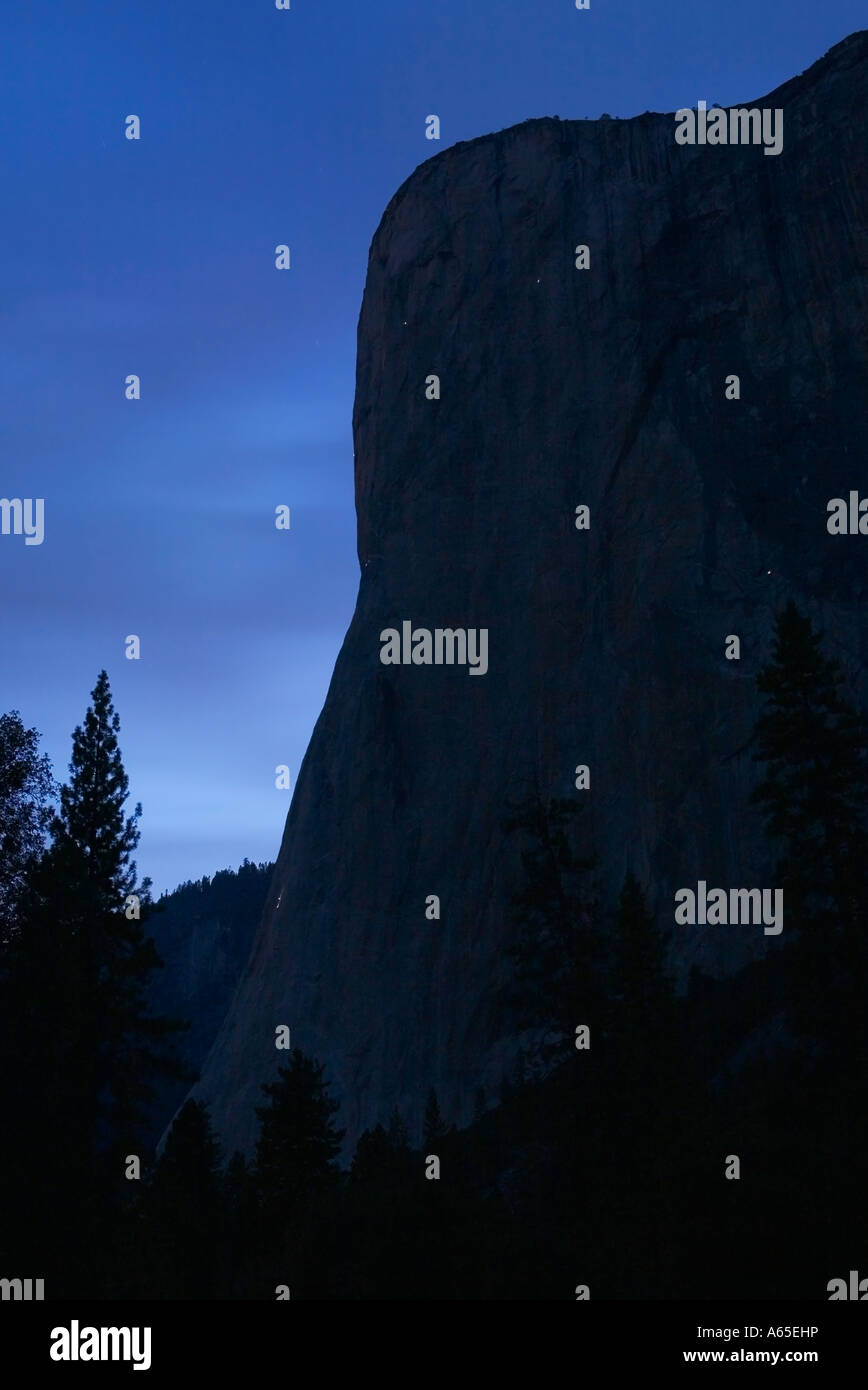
(562, 387)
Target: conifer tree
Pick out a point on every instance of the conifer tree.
(190, 1160)
(296, 1179)
(399, 1137)
(399, 1144)
(811, 740)
(183, 1207)
(27, 788)
(91, 888)
(374, 1159)
(74, 983)
(644, 1012)
(241, 1223)
(298, 1144)
(642, 981)
(238, 1194)
(642, 1088)
(434, 1127)
(382, 1215)
(557, 953)
(91, 830)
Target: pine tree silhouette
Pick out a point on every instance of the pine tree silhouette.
(296, 1172)
(399, 1137)
(374, 1158)
(183, 1207)
(813, 744)
(479, 1104)
(642, 982)
(643, 1085)
(298, 1144)
(240, 1217)
(558, 952)
(74, 984)
(90, 859)
(26, 790)
(434, 1127)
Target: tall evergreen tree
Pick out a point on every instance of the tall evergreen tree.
(73, 984)
(557, 953)
(642, 981)
(479, 1105)
(373, 1159)
(434, 1127)
(296, 1179)
(27, 788)
(399, 1137)
(812, 742)
(381, 1217)
(92, 831)
(298, 1144)
(102, 913)
(644, 1083)
(184, 1209)
(241, 1222)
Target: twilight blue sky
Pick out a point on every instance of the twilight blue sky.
(157, 257)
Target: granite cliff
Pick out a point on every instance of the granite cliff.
(561, 387)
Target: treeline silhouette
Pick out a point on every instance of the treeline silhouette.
(601, 1166)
